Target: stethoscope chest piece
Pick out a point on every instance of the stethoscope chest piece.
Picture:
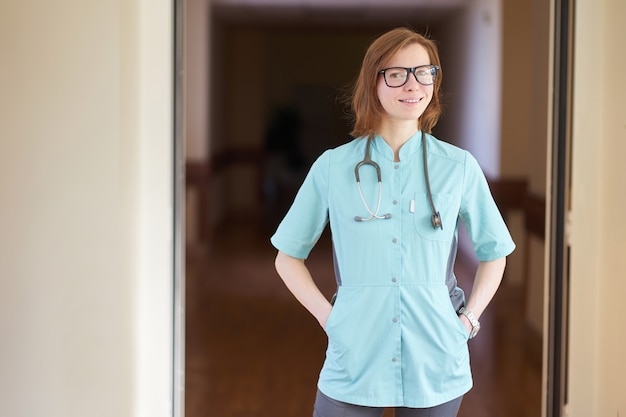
(436, 221)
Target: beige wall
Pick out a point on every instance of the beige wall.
(525, 91)
(517, 87)
(85, 218)
(597, 331)
(470, 41)
(197, 73)
(525, 115)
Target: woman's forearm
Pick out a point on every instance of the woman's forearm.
(486, 283)
(299, 281)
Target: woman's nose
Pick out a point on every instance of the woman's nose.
(412, 83)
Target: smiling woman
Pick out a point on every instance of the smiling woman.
(399, 324)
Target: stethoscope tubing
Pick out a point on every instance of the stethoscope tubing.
(373, 215)
(367, 160)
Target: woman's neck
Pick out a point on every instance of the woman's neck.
(396, 135)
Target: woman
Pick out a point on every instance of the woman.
(398, 329)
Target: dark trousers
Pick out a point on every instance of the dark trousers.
(327, 407)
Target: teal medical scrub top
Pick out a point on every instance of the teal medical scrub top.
(394, 337)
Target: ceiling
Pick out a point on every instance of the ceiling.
(333, 12)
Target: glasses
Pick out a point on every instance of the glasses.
(398, 76)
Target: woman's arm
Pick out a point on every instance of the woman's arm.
(299, 281)
(486, 283)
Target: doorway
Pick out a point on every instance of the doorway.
(229, 262)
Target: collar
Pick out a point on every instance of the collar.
(407, 150)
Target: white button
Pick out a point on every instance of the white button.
(394, 240)
(394, 279)
(395, 319)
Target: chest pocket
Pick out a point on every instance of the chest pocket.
(447, 207)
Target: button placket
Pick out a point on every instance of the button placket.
(396, 189)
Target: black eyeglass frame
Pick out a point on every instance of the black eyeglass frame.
(433, 68)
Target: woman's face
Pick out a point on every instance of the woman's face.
(408, 102)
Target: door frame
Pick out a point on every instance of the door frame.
(178, 198)
(559, 179)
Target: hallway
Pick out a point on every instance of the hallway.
(253, 351)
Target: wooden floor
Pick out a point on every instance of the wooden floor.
(253, 351)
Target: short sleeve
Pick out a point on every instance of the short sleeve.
(486, 228)
(305, 221)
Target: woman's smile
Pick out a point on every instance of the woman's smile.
(410, 100)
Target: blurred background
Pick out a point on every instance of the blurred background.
(263, 84)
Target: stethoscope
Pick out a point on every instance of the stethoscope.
(367, 160)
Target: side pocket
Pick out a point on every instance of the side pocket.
(460, 326)
(336, 350)
(329, 320)
(454, 317)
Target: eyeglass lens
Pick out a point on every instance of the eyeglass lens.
(398, 76)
